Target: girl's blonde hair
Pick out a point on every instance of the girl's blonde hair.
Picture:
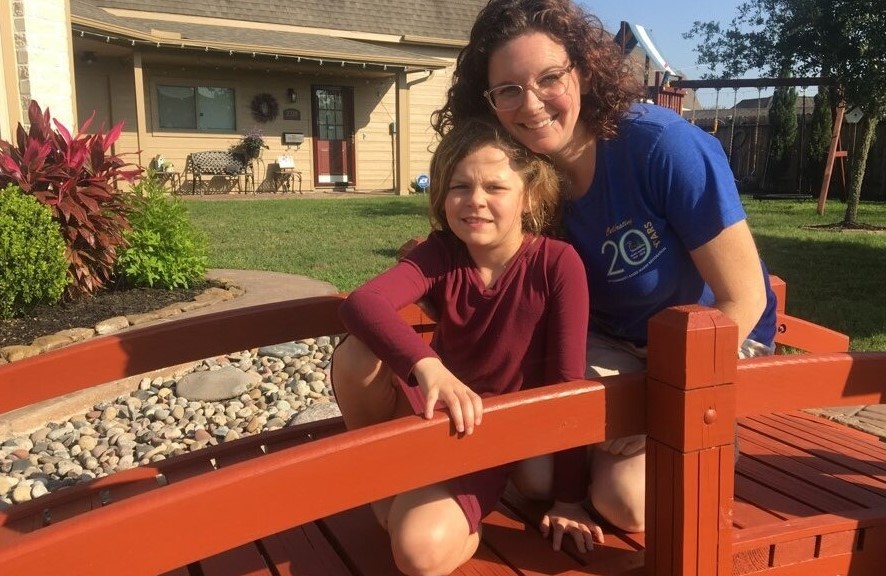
(540, 179)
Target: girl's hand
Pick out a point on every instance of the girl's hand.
(438, 383)
(565, 518)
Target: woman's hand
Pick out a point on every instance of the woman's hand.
(438, 383)
(565, 518)
(625, 446)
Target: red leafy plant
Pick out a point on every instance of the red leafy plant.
(77, 178)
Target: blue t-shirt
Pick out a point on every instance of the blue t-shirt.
(662, 187)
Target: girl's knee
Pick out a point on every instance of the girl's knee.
(534, 477)
(429, 536)
(353, 362)
(435, 552)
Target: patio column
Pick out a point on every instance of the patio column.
(41, 67)
(401, 184)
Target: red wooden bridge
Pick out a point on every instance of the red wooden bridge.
(806, 497)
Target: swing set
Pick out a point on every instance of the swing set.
(669, 93)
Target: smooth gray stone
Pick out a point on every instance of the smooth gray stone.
(213, 385)
(318, 411)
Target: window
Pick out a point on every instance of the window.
(195, 108)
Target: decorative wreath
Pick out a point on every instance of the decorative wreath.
(264, 107)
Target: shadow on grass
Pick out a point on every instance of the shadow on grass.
(834, 279)
(393, 207)
(386, 253)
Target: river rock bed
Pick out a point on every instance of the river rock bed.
(217, 400)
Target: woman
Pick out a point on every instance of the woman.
(651, 208)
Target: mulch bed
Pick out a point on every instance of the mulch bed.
(88, 311)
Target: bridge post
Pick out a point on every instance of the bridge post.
(690, 454)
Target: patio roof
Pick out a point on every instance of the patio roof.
(243, 38)
(428, 19)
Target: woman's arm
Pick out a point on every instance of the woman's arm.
(730, 265)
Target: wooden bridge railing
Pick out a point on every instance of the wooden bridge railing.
(686, 401)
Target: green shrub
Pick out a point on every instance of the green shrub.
(164, 249)
(33, 267)
(76, 175)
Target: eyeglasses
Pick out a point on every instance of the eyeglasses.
(547, 87)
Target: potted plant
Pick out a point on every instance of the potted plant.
(250, 145)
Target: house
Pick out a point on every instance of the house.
(346, 87)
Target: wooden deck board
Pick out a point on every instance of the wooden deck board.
(776, 482)
(860, 489)
(846, 446)
(303, 551)
(794, 469)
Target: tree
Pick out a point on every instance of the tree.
(783, 129)
(819, 138)
(839, 39)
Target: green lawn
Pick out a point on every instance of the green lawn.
(340, 241)
(836, 279)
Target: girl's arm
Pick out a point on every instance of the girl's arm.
(370, 313)
(567, 342)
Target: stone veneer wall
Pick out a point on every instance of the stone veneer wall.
(43, 54)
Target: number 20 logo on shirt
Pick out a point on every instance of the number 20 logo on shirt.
(633, 247)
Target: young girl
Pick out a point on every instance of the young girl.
(513, 309)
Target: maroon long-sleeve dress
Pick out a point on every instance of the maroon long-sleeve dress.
(526, 330)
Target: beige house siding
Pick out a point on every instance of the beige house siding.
(176, 146)
(108, 87)
(425, 99)
(10, 110)
(376, 107)
(110, 56)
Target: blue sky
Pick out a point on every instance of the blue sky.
(666, 22)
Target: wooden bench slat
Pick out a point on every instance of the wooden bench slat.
(530, 511)
(745, 514)
(523, 545)
(760, 494)
(358, 537)
(861, 488)
(183, 571)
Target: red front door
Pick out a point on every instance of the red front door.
(333, 114)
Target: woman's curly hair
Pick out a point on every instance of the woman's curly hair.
(613, 86)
